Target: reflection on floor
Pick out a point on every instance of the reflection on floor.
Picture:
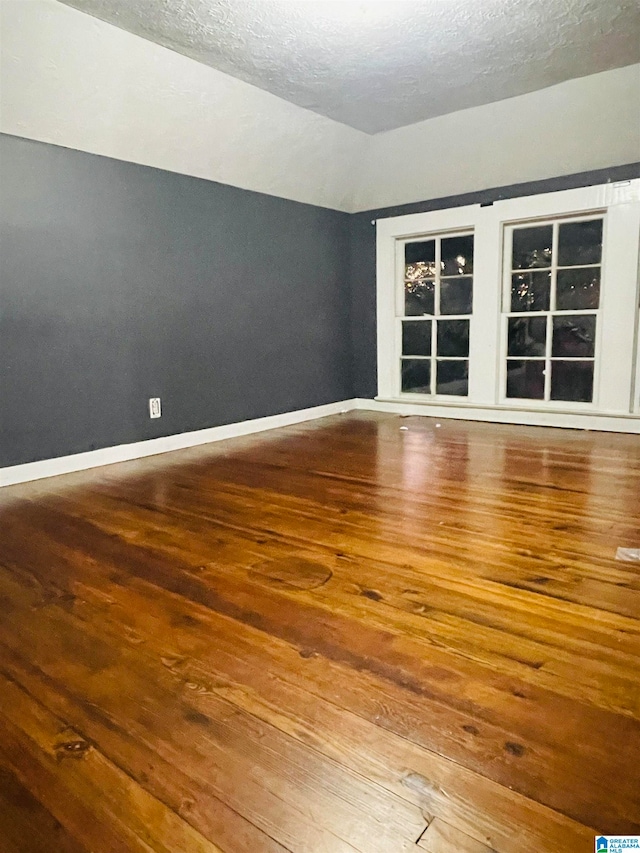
(361, 634)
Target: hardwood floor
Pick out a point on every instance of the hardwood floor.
(367, 633)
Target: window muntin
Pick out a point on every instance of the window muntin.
(437, 304)
(551, 302)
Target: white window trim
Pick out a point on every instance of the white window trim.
(433, 319)
(637, 373)
(549, 405)
(636, 378)
(616, 367)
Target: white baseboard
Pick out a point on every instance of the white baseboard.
(125, 452)
(613, 422)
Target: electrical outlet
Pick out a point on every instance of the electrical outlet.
(155, 409)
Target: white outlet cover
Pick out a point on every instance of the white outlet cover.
(155, 407)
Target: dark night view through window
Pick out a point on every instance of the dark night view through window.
(551, 302)
(438, 303)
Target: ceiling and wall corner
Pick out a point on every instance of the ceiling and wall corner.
(380, 65)
(577, 126)
(76, 81)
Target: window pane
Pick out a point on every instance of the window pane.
(532, 247)
(416, 337)
(453, 337)
(456, 295)
(572, 381)
(420, 260)
(527, 336)
(419, 298)
(525, 379)
(574, 336)
(580, 243)
(579, 288)
(416, 375)
(530, 291)
(456, 255)
(452, 377)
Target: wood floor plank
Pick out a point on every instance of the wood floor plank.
(601, 664)
(165, 780)
(92, 797)
(434, 676)
(324, 638)
(26, 825)
(268, 689)
(522, 753)
(428, 555)
(228, 748)
(441, 837)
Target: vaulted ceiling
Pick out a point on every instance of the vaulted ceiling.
(381, 65)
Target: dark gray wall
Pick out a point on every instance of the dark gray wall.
(121, 282)
(362, 256)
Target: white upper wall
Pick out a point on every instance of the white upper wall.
(589, 123)
(75, 81)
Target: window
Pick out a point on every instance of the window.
(437, 302)
(524, 310)
(551, 305)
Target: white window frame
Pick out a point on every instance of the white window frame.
(616, 394)
(636, 380)
(434, 319)
(548, 404)
(637, 373)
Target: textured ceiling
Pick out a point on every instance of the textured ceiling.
(380, 65)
